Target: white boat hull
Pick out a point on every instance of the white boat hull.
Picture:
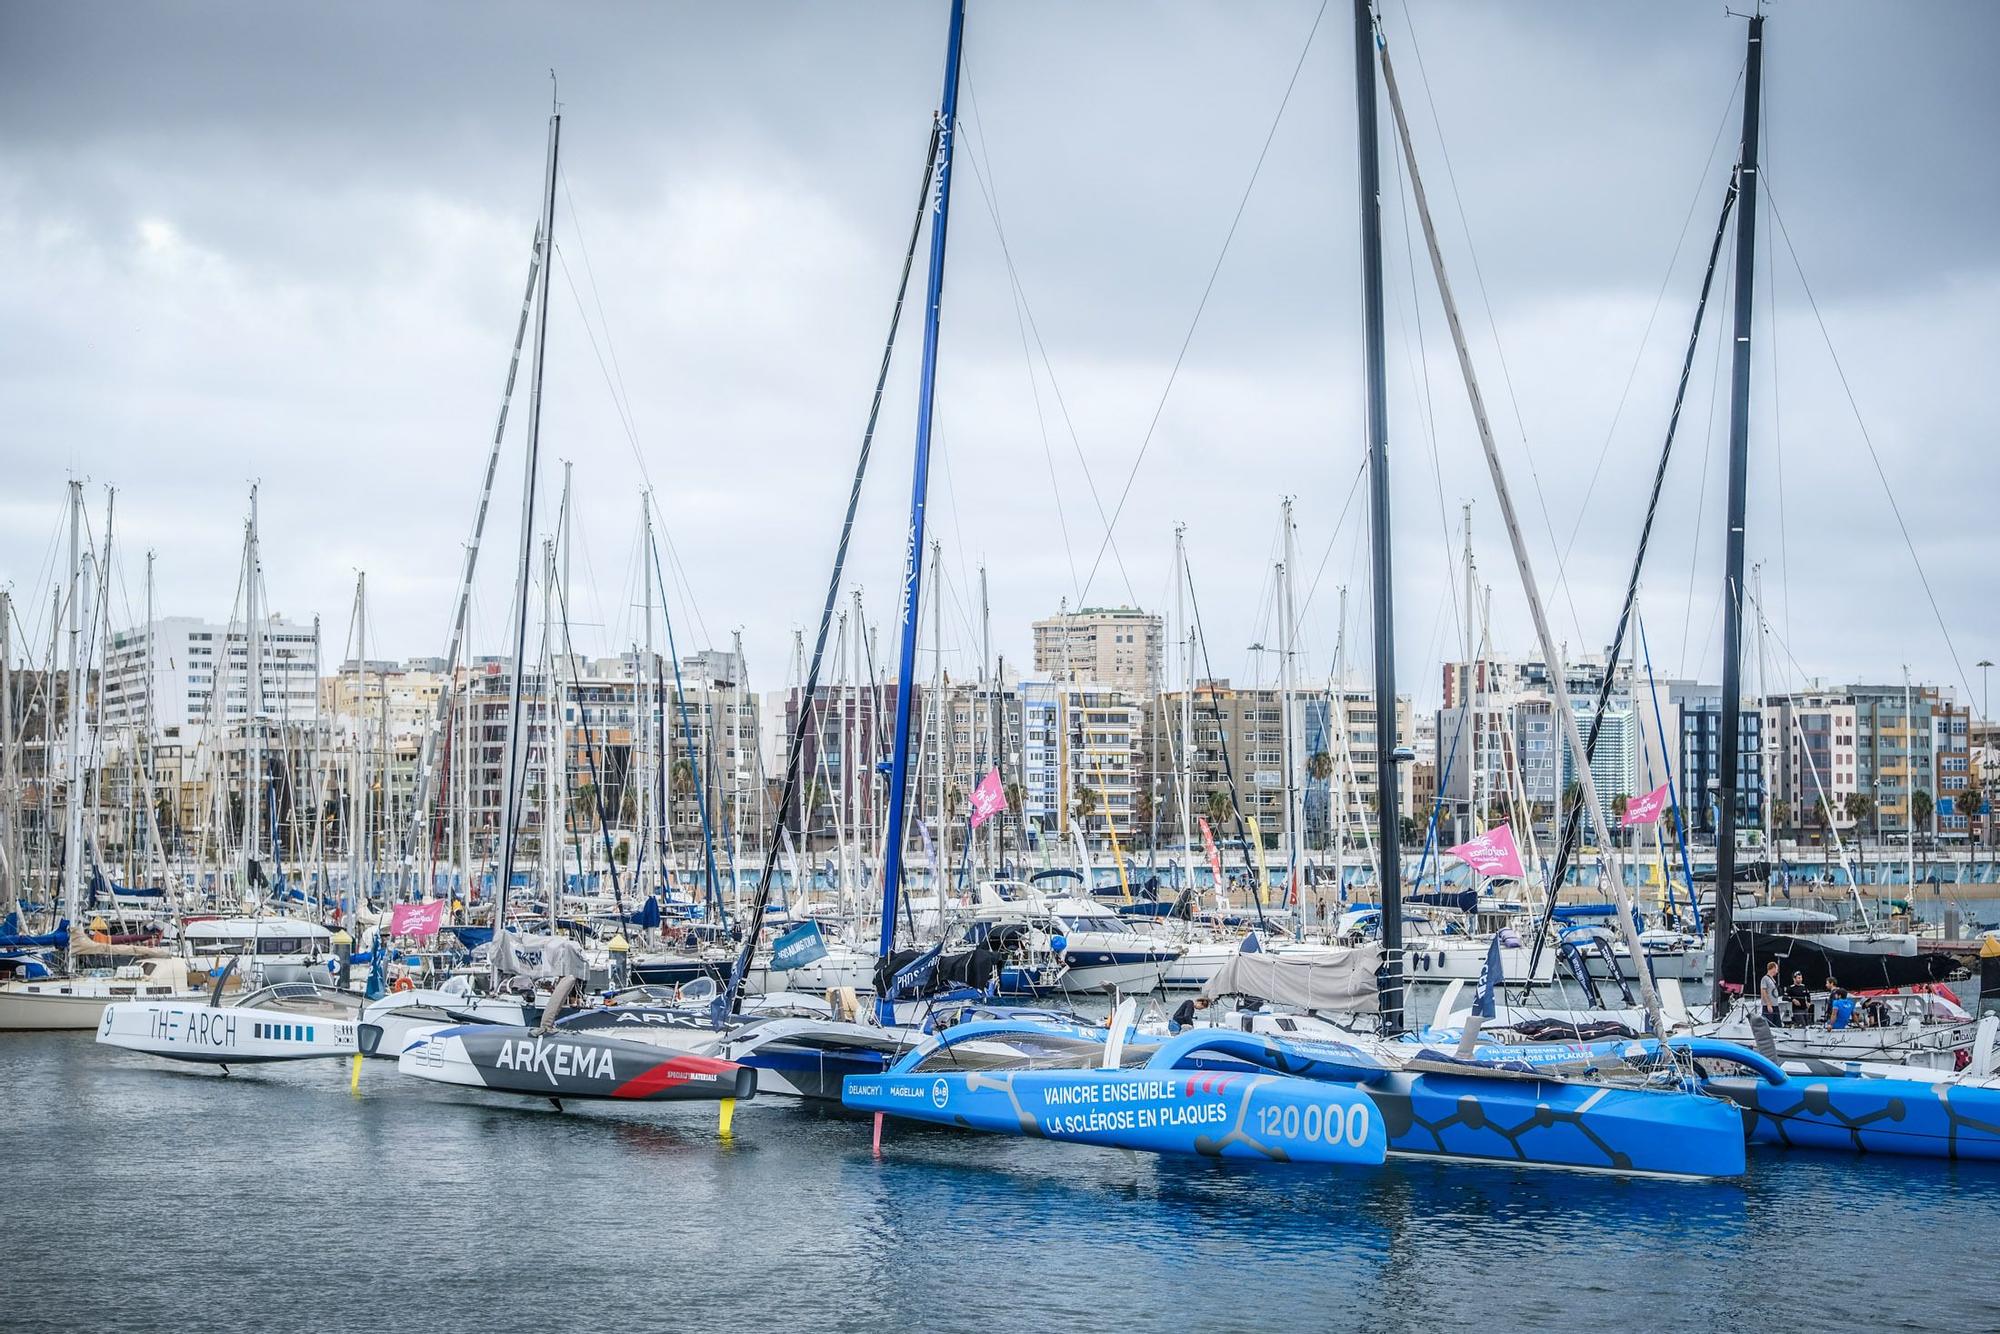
(223, 1034)
(73, 1005)
(401, 1015)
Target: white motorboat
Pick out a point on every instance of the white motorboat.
(1097, 949)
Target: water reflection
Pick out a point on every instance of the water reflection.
(165, 1199)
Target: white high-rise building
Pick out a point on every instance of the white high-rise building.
(198, 672)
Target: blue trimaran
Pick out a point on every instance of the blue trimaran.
(1223, 1093)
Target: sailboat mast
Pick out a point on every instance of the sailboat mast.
(550, 843)
(1909, 785)
(1337, 824)
(1470, 723)
(253, 699)
(913, 545)
(10, 804)
(357, 794)
(1186, 802)
(427, 754)
(510, 813)
(940, 720)
(1564, 709)
(1288, 732)
(651, 758)
(992, 732)
(1387, 817)
(73, 784)
(1739, 477)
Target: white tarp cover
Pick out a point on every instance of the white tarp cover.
(1330, 979)
(541, 957)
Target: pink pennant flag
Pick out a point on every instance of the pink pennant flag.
(1492, 853)
(988, 799)
(416, 919)
(1646, 809)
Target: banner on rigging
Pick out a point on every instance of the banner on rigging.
(1490, 977)
(1646, 809)
(988, 799)
(801, 945)
(1214, 858)
(1492, 854)
(416, 919)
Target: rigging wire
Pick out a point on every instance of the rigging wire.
(1486, 304)
(1200, 306)
(989, 191)
(1867, 439)
(1659, 300)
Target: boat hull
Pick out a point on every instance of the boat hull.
(69, 1005)
(223, 1034)
(513, 1059)
(1210, 1114)
(1858, 1114)
(402, 1016)
(1552, 1123)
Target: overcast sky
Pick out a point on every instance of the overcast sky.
(287, 243)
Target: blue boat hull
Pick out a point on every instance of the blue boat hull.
(1550, 1123)
(1211, 1114)
(1863, 1115)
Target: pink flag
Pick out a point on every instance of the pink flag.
(988, 799)
(1492, 853)
(1214, 861)
(416, 919)
(1646, 809)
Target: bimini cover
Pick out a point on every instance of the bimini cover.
(1330, 979)
(541, 957)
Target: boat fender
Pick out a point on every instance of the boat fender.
(1058, 945)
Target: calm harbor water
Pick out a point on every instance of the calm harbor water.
(146, 1196)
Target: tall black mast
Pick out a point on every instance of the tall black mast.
(1739, 468)
(1388, 818)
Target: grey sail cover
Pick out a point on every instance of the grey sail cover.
(541, 957)
(1341, 979)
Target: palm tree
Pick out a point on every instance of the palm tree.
(1220, 807)
(1086, 803)
(1968, 803)
(1781, 816)
(1922, 807)
(1857, 806)
(1319, 766)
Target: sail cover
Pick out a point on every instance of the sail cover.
(541, 957)
(1332, 979)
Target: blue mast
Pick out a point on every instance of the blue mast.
(899, 765)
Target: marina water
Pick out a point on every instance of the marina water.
(149, 1197)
